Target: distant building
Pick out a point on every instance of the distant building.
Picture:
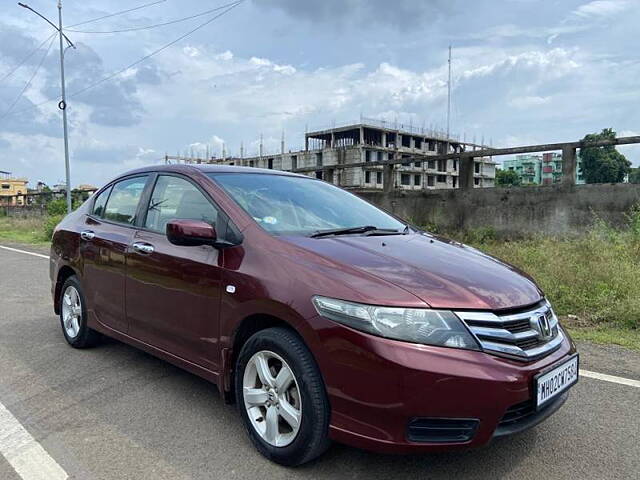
(40, 187)
(373, 141)
(15, 189)
(540, 169)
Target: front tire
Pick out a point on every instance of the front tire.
(73, 316)
(281, 397)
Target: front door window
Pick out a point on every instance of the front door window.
(176, 198)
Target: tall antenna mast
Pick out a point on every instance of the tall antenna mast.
(449, 98)
(260, 146)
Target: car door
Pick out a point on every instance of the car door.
(173, 292)
(104, 239)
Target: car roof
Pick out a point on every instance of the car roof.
(207, 168)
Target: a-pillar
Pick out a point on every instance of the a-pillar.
(568, 165)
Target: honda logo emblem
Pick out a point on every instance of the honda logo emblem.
(543, 326)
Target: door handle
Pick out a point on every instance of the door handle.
(143, 247)
(87, 235)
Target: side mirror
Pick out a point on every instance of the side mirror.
(191, 233)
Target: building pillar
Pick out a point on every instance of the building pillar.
(361, 135)
(333, 140)
(384, 139)
(387, 178)
(465, 179)
(568, 165)
(306, 144)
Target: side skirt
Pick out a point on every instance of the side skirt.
(180, 362)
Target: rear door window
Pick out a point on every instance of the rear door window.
(123, 202)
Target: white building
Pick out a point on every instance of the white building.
(371, 141)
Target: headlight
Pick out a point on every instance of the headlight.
(416, 325)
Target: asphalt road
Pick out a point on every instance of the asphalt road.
(114, 412)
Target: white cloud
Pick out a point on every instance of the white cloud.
(227, 55)
(529, 101)
(191, 51)
(601, 8)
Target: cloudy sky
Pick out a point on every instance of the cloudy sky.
(524, 71)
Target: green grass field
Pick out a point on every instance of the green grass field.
(24, 230)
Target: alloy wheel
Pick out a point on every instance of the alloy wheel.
(71, 311)
(272, 398)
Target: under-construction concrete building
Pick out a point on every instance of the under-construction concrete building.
(373, 141)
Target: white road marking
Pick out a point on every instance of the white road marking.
(24, 454)
(24, 251)
(610, 378)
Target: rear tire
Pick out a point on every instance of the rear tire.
(73, 316)
(277, 382)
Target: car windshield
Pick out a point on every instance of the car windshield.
(288, 205)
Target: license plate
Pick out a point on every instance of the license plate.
(553, 382)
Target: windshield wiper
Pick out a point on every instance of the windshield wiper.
(350, 230)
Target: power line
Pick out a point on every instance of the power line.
(117, 13)
(155, 52)
(35, 105)
(33, 75)
(26, 58)
(149, 27)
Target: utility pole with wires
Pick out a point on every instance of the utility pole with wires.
(62, 105)
(449, 98)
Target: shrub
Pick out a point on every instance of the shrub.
(49, 225)
(633, 219)
(59, 206)
(480, 235)
(432, 228)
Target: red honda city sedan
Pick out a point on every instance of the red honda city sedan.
(321, 316)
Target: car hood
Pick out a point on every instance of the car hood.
(440, 272)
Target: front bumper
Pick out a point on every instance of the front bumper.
(377, 387)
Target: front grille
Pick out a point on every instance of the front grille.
(524, 335)
(518, 325)
(529, 343)
(442, 430)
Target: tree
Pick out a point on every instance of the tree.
(507, 178)
(603, 164)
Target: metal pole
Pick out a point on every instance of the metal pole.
(449, 98)
(63, 106)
